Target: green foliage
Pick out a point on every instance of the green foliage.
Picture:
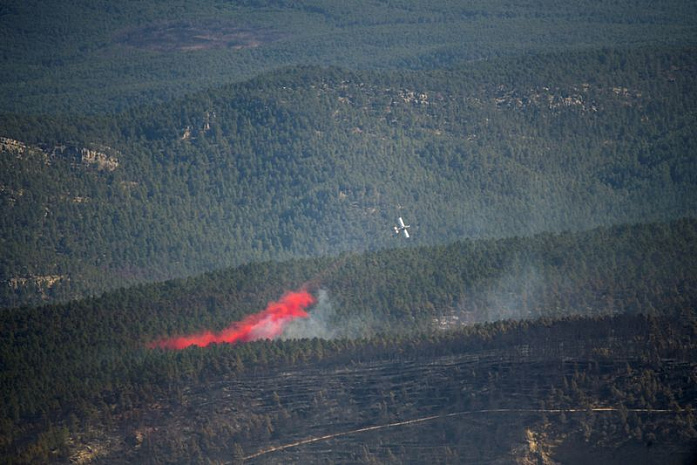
(95, 57)
(312, 161)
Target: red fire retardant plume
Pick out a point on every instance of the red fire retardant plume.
(267, 324)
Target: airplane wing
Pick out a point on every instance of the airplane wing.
(406, 233)
(401, 223)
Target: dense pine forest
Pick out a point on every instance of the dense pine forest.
(311, 161)
(91, 56)
(174, 171)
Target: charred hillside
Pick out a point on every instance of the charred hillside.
(82, 373)
(509, 393)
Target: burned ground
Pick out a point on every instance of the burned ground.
(531, 403)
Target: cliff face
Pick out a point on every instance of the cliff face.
(103, 158)
(12, 146)
(42, 284)
(100, 160)
(51, 189)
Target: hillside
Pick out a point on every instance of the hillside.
(81, 373)
(313, 161)
(610, 388)
(516, 394)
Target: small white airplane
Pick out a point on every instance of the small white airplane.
(401, 228)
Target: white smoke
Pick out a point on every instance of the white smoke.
(511, 298)
(320, 324)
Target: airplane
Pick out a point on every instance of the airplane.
(402, 228)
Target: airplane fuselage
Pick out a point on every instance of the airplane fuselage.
(401, 228)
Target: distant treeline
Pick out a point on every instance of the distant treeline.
(93, 57)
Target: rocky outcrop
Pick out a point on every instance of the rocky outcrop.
(100, 160)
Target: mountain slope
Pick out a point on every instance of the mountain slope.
(312, 161)
(80, 365)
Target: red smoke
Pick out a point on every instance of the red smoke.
(267, 324)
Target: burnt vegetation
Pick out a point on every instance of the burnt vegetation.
(607, 324)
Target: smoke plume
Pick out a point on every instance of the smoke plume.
(327, 321)
(267, 324)
(321, 322)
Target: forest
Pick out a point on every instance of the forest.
(93, 57)
(82, 368)
(197, 255)
(312, 161)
